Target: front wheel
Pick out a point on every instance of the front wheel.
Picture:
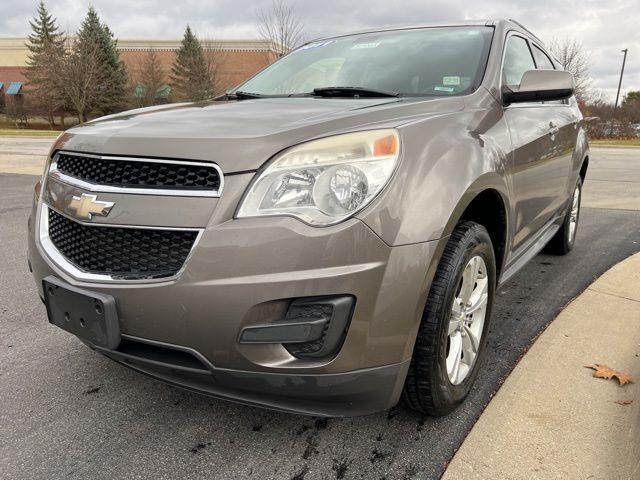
(452, 335)
(564, 239)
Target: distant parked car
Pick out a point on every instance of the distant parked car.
(327, 238)
(612, 130)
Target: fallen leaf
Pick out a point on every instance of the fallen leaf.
(603, 371)
(624, 402)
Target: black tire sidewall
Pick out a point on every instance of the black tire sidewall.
(477, 244)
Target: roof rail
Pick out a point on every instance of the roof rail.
(526, 30)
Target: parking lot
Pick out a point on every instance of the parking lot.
(67, 412)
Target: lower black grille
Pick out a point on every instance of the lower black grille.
(122, 253)
(302, 312)
(161, 355)
(336, 311)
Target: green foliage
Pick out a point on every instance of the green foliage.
(191, 73)
(95, 39)
(46, 52)
(632, 96)
(45, 33)
(152, 78)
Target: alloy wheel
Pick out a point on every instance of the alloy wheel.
(466, 322)
(575, 212)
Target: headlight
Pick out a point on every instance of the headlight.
(325, 181)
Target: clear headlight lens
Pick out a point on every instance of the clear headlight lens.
(325, 181)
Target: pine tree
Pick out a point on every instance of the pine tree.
(97, 37)
(190, 74)
(46, 53)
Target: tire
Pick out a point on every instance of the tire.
(565, 238)
(429, 388)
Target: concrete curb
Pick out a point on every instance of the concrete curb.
(551, 418)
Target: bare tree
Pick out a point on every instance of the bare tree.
(17, 110)
(80, 76)
(152, 77)
(571, 54)
(281, 26)
(215, 58)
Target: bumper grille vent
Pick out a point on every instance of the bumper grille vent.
(122, 253)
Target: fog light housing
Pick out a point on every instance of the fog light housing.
(313, 327)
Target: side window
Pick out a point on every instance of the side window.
(542, 60)
(544, 63)
(517, 60)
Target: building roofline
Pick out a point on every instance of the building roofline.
(128, 44)
(173, 44)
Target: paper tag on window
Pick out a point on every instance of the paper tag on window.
(455, 81)
(316, 45)
(365, 45)
(439, 88)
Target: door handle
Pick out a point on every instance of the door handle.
(553, 129)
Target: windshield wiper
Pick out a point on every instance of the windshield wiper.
(351, 92)
(241, 95)
(356, 92)
(238, 95)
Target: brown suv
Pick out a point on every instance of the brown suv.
(328, 237)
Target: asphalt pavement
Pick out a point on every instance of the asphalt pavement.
(67, 412)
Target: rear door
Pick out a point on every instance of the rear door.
(535, 173)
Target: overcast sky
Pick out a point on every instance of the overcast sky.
(604, 27)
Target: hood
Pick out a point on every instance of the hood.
(241, 135)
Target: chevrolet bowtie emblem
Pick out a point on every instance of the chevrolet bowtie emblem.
(87, 205)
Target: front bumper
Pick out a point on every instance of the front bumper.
(358, 392)
(246, 272)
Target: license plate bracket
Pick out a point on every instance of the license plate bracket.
(90, 316)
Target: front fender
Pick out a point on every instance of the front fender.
(446, 161)
(488, 181)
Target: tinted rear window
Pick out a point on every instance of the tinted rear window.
(542, 60)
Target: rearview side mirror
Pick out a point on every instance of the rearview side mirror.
(540, 86)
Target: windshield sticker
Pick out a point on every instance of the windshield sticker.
(316, 45)
(451, 81)
(442, 88)
(365, 45)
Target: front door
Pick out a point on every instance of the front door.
(537, 170)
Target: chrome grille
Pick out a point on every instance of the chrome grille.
(133, 173)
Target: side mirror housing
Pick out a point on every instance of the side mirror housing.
(540, 86)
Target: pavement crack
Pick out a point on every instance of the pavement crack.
(613, 181)
(612, 209)
(613, 294)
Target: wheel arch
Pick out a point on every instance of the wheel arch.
(480, 203)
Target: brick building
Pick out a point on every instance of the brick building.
(237, 60)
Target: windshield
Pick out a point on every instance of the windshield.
(417, 62)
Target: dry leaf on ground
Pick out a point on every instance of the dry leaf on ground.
(603, 371)
(624, 402)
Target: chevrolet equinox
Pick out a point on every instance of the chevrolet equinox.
(327, 238)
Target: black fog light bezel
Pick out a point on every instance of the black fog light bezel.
(313, 327)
